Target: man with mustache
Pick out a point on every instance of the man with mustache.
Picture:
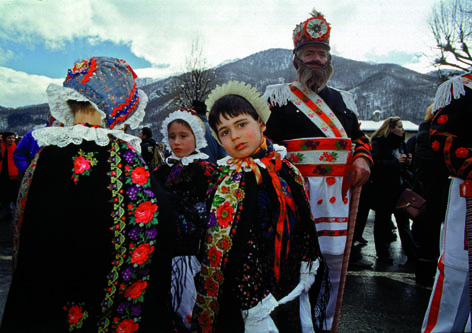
(318, 126)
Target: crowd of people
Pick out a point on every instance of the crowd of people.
(239, 221)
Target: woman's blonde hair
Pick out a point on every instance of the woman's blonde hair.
(385, 128)
(429, 113)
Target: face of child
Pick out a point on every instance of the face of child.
(241, 135)
(181, 139)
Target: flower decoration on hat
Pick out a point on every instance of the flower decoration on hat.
(315, 30)
(109, 84)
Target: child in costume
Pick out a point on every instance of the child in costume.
(260, 254)
(94, 234)
(186, 175)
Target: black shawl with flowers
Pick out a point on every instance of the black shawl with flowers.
(94, 238)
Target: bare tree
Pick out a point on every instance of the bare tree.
(196, 79)
(451, 25)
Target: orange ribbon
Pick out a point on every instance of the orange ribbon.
(245, 163)
(283, 199)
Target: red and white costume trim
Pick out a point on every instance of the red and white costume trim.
(449, 309)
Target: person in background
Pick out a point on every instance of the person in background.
(94, 233)
(150, 151)
(430, 181)
(319, 127)
(214, 150)
(25, 151)
(451, 142)
(9, 175)
(390, 160)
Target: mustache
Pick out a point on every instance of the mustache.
(314, 62)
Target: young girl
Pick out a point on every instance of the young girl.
(260, 253)
(186, 175)
(94, 234)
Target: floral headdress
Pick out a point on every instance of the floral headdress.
(108, 84)
(315, 30)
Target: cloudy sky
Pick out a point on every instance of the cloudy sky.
(41, 39)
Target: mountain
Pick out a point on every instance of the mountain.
(389, 88)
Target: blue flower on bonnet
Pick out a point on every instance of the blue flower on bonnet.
(109, 84)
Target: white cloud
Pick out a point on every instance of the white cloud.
(161, 31)
(20, 88)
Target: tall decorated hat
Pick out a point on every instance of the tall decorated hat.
(109, 84)
(315, 30)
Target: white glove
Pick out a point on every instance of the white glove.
(257, 319)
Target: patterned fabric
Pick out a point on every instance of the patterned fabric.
(450, 138)
(239, 256)
(109, 84)
(316, 110)
(96, 248)
(189, 186)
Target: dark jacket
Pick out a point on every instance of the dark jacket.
(387, 172)
(147, 149)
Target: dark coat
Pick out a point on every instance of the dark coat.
(387, 172)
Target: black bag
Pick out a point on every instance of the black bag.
(411, 203)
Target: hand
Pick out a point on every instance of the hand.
(361, 166)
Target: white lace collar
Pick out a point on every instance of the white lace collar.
(187, 159)
(63, 136)
(228, 160)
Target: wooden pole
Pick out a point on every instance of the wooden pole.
(356, 193)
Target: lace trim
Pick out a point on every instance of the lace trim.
(58, 97)
(187, 159)
(195, 124)
(228, 160)
(63, 136)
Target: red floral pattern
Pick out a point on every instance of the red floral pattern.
(215, 257)
(145, 212)
(462, 152)
(140, 175)
(83, 162)
(136, 289)
(225, 214)
(127, 326)
(75, 314)
(141, 253)
(330, 180)
(443, 119)
(435, 145)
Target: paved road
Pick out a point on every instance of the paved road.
(380, 299)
